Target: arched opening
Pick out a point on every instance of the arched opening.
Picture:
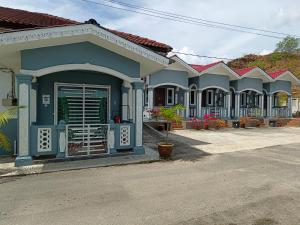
(214, 102)
(280, 104)
(250, 103)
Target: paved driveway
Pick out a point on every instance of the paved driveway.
(256, 187)
(231, 140)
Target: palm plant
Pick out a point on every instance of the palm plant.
(170, 115)
(5, 116)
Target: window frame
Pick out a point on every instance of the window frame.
(211, 98)
(172, 97)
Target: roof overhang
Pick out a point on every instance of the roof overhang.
(11, 43)
(180, 64)
(288, 76)
(258, 73)
(222, 69)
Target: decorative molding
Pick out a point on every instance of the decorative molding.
(218, 87)
(251, 89)
(168, 84)
(86, 66)
(124, 135)
(11, 38)
(44, 141)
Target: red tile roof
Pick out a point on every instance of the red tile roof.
(24, 19)
(201, 68)
(15, 19)
(277, 73)
(243, 71)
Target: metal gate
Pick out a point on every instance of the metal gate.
(85, 109)
(85, 140)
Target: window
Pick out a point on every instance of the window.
(210, 98)
(170, 96)
(193, 97)
(243, 99)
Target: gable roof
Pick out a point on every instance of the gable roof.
(16, 19)
(201, 68)
(243, 71)
(278, 73)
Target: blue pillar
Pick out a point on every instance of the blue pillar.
(138, 113)
(24, 88)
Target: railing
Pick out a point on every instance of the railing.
(193, 112)
(250, 112)
(85, 140)
(281, 112)
(219, 112)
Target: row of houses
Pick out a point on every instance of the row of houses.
(217, 89)
(86, 89)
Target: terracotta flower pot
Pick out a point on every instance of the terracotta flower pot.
(165, 150)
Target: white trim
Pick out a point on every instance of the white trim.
(193, 92)
(168, 84)
(277, 91)
(251, 89)
(297, 81)
(212, 99)
(11, 38)
(185, 65)
(217, 87)
(232, 89)
(86, 66)
(257, 69)
(193, 86)
(221, 64)
(167, 96)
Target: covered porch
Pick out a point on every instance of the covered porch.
(79, 99)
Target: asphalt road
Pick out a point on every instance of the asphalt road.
(257, 187)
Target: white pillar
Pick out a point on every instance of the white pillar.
(125, 105)
(199, 103)
(289, 106)
(150, 98)
(261, 104)
(24, 92)
(176, 95)
(138, 112)
(187, 103)
(269, 105)
(237, 104)
(228, 95)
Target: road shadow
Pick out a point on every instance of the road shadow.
(181, 151)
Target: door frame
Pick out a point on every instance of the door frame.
(58, 84)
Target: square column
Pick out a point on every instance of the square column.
(150, 98)
(228, 100)
(138, 113)
(24, 91)
(269, 105)
(125, 105)
(289, 106)
(187, 103)
(237, 104)
(199, 103)
(261, 103)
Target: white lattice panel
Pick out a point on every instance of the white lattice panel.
(124, 135)
(44, 139)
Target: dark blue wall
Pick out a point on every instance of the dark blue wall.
(46, 87)
(79, 53)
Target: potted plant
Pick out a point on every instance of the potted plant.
(169, 115)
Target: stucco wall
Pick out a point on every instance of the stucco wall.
(247, 84)
(78, 53)
(169, 76)
(278, 85)
(46, 87)
(213, 80)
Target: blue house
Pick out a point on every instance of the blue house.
(86, 89)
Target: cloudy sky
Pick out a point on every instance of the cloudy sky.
(275, 15)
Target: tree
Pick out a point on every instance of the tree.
(4, 117)
(288, 44)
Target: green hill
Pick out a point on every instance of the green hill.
(270, 63)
